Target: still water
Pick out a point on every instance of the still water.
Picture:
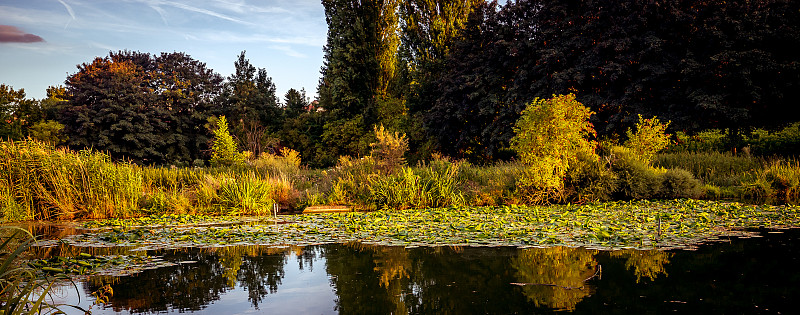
(735, 276)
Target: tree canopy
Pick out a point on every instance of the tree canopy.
(148, 108)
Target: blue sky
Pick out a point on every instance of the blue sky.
(42, 41)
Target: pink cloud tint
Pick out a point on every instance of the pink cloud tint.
(11, 34)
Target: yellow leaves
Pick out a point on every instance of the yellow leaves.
(549, 136)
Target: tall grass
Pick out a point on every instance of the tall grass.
(40, 182)
(713, 168)
(429, 186)
(780, 179)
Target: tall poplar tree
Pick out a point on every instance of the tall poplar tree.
(359, 64)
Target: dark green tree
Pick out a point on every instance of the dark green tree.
(295, 103)
(359, 63)
(252, 106)
(134, 105)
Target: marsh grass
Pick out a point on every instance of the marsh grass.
(428, 186)
(41, 183)
(713, 168)
(779, 179)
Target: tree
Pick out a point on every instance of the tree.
(10, 103)
(251, 103)
(223, 151)
(359, 64)
(295, 102)
(478, 98)
(150, 109)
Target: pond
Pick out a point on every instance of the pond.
(751, 274)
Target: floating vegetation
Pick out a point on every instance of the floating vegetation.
(169, 220)
(611, 225)
(86, 264)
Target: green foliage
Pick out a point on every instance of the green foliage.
(713, 168)
(589, 179)
(650, 138)
(389, 150)
(639, 180)
(223, 151)
(680, 183)
(785, 141)
(147, 108)
(48, 131)
(712, 140)
(636, 178)
(549, 137)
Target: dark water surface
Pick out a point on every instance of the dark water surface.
(758, 275)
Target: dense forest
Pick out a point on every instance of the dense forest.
(453, 76)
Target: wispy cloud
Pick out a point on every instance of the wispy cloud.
(11, 34)
(69, 10)
(289, 51)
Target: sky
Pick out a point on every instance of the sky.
(43, 41)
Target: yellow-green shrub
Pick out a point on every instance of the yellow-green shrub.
(649, 138)
(549, 136)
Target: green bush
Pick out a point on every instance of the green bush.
(636, 179)
(589, 179)
(713, 168)
(712, 140)
(782, 142)
(492, 185)
(680, 183)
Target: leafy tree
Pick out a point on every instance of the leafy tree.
(478, 99)
(304, 133)
(147, 108)
(10, 102)
(223, 151)
(359, 64)
(649, 138)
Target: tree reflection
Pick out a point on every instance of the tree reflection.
(205, 275)
(645, 263)
(555, 277)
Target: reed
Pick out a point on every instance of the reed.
(41, 182)
(713, 168)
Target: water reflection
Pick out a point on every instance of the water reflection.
(556, 277)
(743, 275)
